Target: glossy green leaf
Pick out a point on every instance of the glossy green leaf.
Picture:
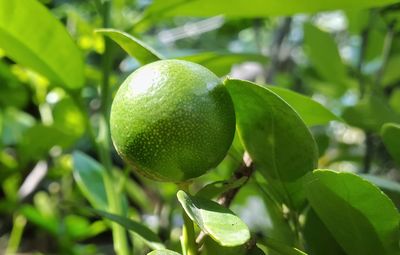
(326, 60)
(343, 198)
(318, 238)
(255, 8)
(276, 138)
(222, 63)
(147, 235)
(133, 46)
(370, 114)
(163, 252)
(220, 223)
(88, 174)
(391, 138)
(33, 37)
(312, 112)
(280, 248)
(216, 188)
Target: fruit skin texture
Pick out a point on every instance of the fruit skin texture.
(172, 120)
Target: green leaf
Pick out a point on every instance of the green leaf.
(210, 247)
(278, 227)
(220, 223)
(222, 63)
(216, 188)
(391, 138)
(276, 138)
(133, 46)
(88, 174)
(39, 139)
(312, 112)
(326, 60)
(361, 218)
(163, 252)
(391, 74)
(318, 238)
(370, 114)
(45, 222)
(391, 188)
(254, 8)
(395, 100)
(147, 235)
(68, 117)
(33, 37)
(15, 123)
(279, 247)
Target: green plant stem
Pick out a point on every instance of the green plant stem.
(360, 62)
(114, 202)
(16, 234)
(188, 239)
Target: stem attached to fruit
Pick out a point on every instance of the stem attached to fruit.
(188, 238)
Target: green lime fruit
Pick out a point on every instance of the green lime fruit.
(172, 120)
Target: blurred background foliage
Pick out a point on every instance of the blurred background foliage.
(343, 54)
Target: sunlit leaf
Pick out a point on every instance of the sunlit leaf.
(255, 8)
(33, 37)
(358, 215)
(133, 46)
(276, 138)
(220, 223)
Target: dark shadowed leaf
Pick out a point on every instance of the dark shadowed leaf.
(391, 138)
(280, 248)
(148, 236)
(33, 37)
(318, 238)
(133, 46)
(361, 218)
(216, 188)
(276, 138)
(220, 223)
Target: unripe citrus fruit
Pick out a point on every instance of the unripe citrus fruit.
(172, 120)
